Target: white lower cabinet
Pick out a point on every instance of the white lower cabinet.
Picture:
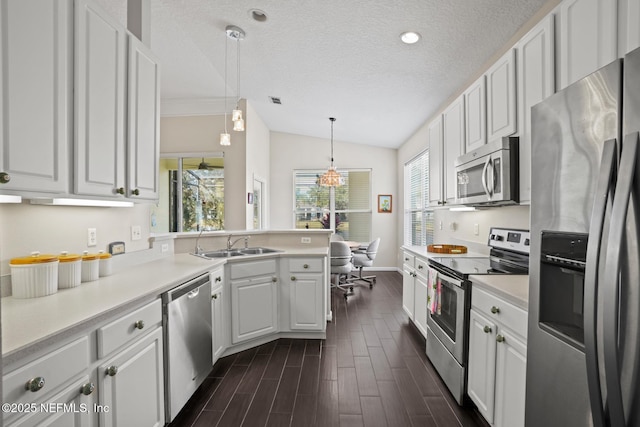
(218, 322)
(110, 376)
(131, 385)
(415, 290)
(497, 359)
(254, 300)
(306, 296)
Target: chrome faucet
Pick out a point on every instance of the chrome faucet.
(230, 243)
(198, 249)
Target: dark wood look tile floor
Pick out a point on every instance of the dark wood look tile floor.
(370, 371)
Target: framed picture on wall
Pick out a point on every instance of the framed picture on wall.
(384, 203)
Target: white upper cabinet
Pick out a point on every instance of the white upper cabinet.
(475, 109)
(435, 162)
(628, 26)
(144, 122)
(100, 84)
(588, 37)
(501, 97)
(36, 56)
(536, 81)
(453, 118)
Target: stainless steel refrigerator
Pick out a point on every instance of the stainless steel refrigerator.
(583, 350)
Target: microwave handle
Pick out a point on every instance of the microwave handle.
(484, 176)
(492, 168)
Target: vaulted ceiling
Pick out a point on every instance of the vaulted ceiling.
(330, 58)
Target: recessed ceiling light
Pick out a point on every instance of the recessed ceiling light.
(258, 15)
(409, 37)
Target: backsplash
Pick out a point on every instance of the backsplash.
(459, 227)
(25, 228)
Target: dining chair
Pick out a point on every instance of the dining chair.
(341, 266)
(364, 258)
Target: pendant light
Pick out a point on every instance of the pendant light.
(331, 178)
(237, 34)
(225, 138)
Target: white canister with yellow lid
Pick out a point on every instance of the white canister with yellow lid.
(69, 270)
(90, 267)
(106, 267)
(34, 276)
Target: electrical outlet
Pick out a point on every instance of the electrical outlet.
(440, 225)
(476, 229)
(136, 232)
(305, 240)
(92, 237)
(165, 248)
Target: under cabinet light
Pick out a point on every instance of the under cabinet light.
(81, 202)
(10, 199)
(462, 209)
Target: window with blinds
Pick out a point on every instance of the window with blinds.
(352, 201)
(418, 221)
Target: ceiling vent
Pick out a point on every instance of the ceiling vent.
(275, 100)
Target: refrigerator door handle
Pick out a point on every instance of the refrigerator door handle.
(604, 194)
(611, 295)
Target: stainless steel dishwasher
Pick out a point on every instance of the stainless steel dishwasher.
(186, 313)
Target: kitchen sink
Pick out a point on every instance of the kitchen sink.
(222, 253)
(227, 253)
(256, 251)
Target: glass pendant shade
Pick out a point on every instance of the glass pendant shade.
(225, 139)
(331, 178)
(236, 115)
(238, 125)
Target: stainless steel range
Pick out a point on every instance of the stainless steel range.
(448, 320)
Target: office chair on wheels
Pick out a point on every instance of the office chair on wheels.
(341, 266)
(364, 257)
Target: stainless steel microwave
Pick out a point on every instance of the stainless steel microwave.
(489, 175)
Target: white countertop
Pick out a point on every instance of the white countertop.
(26, 322)
(512, 288)
(422, 251)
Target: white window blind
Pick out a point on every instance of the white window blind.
(418, 221)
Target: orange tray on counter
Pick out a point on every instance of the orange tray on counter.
(447, 249)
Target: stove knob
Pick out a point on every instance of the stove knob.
(526, 242)
(496, 237)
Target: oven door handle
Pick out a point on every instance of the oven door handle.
(448, 279)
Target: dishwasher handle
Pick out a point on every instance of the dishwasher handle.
(190, 287)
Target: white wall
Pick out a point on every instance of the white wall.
(258, 165)
(289, 152)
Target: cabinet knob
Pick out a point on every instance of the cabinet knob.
(406, 259)
(120, 190)
(487, 329)
(214, 296)
(87, 389)
(4, 177)
(495, 310)
(218, 279)
(305, 266)
(34, 384)
(139, 324)
(136, 192)
(293, 278)
(499, 338)
(112, 370)
(420, 267)
(274, 279)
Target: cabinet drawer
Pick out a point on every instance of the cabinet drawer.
(422, 266)
(305, 265)
(253, 268)
(56, 368)
(500, 311)
(132, 325)
(408, 259)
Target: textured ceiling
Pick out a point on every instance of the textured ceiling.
(331, 58)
